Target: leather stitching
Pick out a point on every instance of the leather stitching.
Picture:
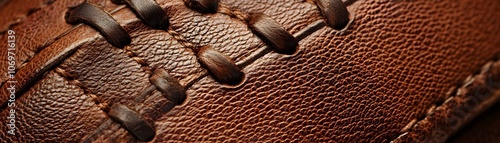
(104, 106)
(182, 40)
(145, 66)
(233, 13)
(242, 17)
(265, 49)
(453, 95)
(51, 41)
(316, 26)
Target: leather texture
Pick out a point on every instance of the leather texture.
(400, 71)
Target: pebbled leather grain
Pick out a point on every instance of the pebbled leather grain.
(390, 75)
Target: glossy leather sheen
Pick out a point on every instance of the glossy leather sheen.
(401, 71)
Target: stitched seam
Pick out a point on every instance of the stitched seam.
(99, 102)
(140, 61)
(453, 95)
(182, 40)
(147, 68)
(186, 43)
(30, 12)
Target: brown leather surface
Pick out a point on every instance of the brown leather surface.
(397, 72)
(485, 128)
(41, 28)
(53, 110)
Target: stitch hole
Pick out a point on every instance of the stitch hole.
(99, 20)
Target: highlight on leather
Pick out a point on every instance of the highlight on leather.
(148, 11)
(223, 69)
(133, 122)
(273, 34)
(204, 6)
(101, 21)
(335, 13)
(169, 86)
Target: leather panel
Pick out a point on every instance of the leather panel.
(395, 62)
